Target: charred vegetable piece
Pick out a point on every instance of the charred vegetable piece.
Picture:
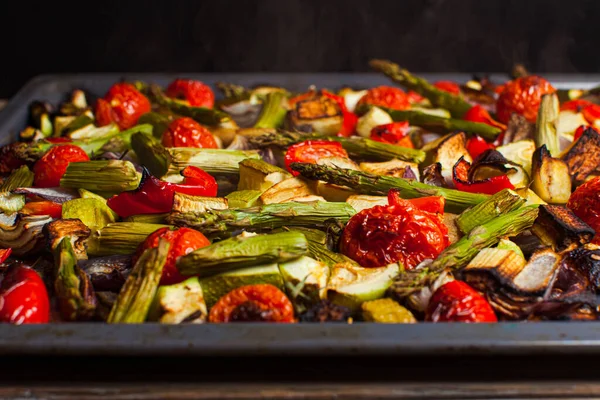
(134, 301)
(386, 311)
(498, 204)
(560, 228)
(39, 113)
(243, 251)
(72, 229)
(447, 151)
(315, 114)
(587, 260)
(364, 183)
(107, 274)
(266, 217)
(120, 238)
(583, 157)
(551, 179)
(22, 233)
(326, 311)
(76, 297)
(151, 153)
(9, 201)
(179, 303)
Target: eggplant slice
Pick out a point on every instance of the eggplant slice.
(583, 157)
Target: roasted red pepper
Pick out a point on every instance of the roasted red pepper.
(477, 145)
(460, 176)
(43, 208)
(480, 114)
(154, 196)
(350, 119)
(448, 86)
(394, 133)
(23, 297)
(4, 254)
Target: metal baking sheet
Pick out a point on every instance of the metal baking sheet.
(278, 339)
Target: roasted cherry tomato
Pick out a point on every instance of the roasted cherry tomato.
(399, 232)
(185, 132)
(253, 303)
(477, 145)
(196, 93)
(43, 208)
(448, 86)
(183, 241)
(386, 96)
(394, 133)
(456, 301)
(52, 166)
(480, 114)
(123, 104)
(23, 297)
(522, 96)
(585, 203)
(310, 151)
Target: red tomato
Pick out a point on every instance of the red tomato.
(394, 133)
(196, 93)
(399, 232)
(52, 166)
(310, 151)
(23, 297)
(522, 96)
(43, 208)
(585, 203)
(185, 132)
(253, 303)
(477, 145)
(386, 96)
(123, 104)
(480, 114)
(456, 301)
(448, 86)
(183, 241)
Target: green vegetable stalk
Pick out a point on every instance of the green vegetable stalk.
(151, 153)
(498, 204)
(101, 176)
(213, 161)
(19, 178)
(120, 238)
(273, 111)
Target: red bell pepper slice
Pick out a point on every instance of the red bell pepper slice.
(154, 196)
(480, 114)
(477, 145)
(44, 207)
(460, 177)
(393, 133)
(350, 119)
(433, 204)
(448, 86)
(4, 254)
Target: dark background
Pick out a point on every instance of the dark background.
(295, 35)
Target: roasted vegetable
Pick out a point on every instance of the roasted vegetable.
(22, 233)
(107, 274)
(550, 177)
(110, 177)
(120, 238)
(260, 175)
(560, 228)
(179, 303)
(94, 213)
(386, 311)
(305, 280)
(546, 133)
(496, 205)
(447, 152)
(74, 230)
(9, 201)
(375, 116)
(326, 311)
(318, 114)
(273, 111)
(213, 161)
(151, 153)
(583, 157)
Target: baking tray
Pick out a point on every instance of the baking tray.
(517, 338)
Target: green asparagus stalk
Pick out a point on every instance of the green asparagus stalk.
(318, 249)
(148, 218)
(271, 216)
(134, 300)
(438, 98)
(159, 123)
(545, 127)
(19, 178)
(120, 238)
(273, 111)
(243, 251)
(73, 288)
(500, 203)
(365, 183)
(356, 146)
(151, 153)
(101, 176)
(213, 161)
(459, 254)
(203, 115)
(435, 123)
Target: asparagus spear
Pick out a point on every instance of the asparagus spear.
(318, 249)
(545, 127)
(273, 111)
(438, 98)
(356, 146)
(74, 290)
(213, 161)
(272, 216)
(365, 183)
(151, 153)
(500, 203)
(18, 178)
(437, 124)
(135, 298)
(120, 238)
(101, 176)
(203, 115)
(243, 251)
(159, 123)
(458, 255)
